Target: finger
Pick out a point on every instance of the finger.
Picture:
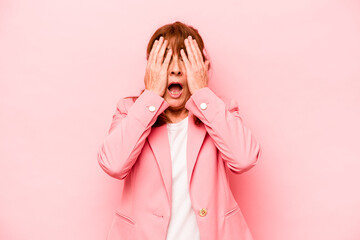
(161, 40)
(189, 51)
(185, 59)
(167, 59)
(166, 51)
(196, 52)
(151, 55)
(199, 51)
(160, 56)
(154, 50)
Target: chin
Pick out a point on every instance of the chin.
(176, 103)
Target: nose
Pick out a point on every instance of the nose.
(176, 72)
(174, 68)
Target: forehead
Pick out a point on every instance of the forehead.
(171, 41)
(175, 46)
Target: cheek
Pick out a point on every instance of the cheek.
(187, 91)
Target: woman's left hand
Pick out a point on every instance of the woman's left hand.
(196, 68)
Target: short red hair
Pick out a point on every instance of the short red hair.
(175, 33)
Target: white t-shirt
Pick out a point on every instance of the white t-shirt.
(183, 224)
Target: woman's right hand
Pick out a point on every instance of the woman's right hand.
(156, 69)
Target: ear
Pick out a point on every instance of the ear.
(207, 62)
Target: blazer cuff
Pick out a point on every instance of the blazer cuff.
(147, 107)
(204, 104)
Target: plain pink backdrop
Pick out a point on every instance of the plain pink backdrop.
(293, 66)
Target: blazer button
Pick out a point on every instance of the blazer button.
(152, 108)
(203, 212)
(203, 106)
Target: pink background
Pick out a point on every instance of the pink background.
(292, 65)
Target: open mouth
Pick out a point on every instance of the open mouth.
(175, 89)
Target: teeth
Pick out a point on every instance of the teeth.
(175, 93)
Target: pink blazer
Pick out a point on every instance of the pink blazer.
(139, 154)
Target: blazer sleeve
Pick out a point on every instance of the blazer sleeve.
(130, 126)
(238, 147)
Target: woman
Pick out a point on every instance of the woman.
(171, 146)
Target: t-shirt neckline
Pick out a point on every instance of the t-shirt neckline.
(177, 125)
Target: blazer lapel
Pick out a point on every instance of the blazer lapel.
(159, 142)
(195, 138)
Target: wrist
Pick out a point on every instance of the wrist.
(156, 92)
